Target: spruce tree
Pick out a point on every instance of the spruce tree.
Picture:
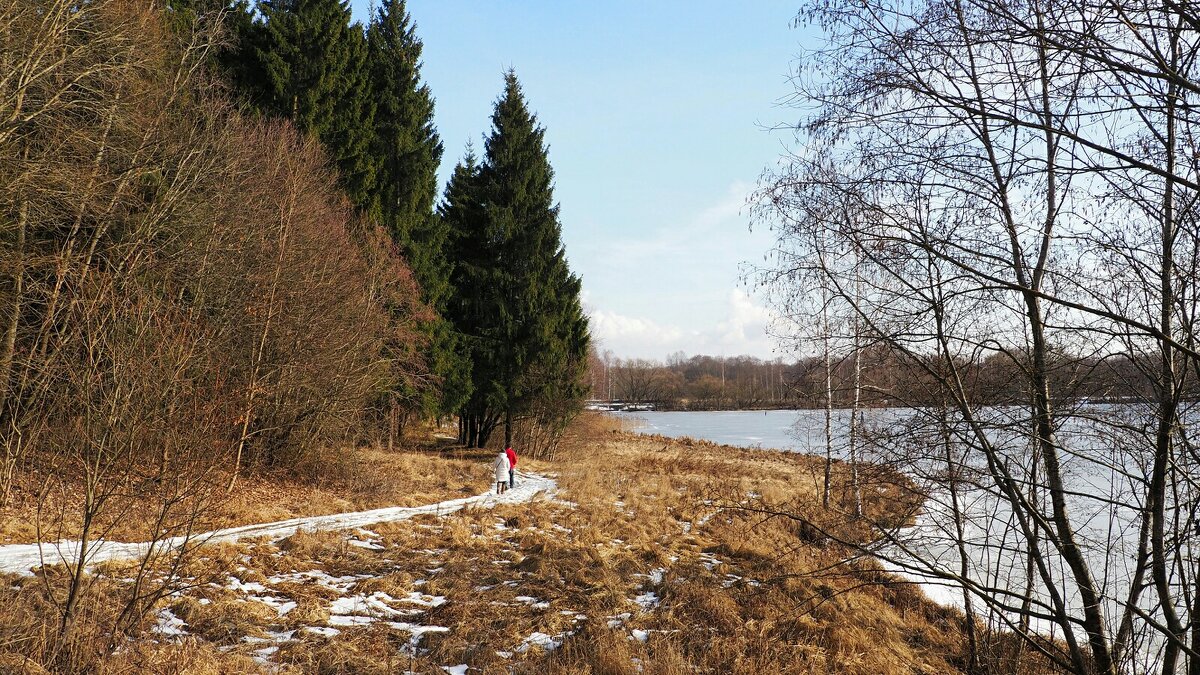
(408, 151)
(406, 145)
(522, 309)
(472, 302)
(313, 69)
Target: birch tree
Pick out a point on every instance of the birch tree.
(1024, 179)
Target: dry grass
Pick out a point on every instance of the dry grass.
(331, 481)
(733, 592)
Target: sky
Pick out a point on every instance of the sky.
(657, 117)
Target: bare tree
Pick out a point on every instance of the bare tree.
(155, 338)
(1021, 182)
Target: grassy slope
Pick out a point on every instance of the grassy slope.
(636, 516)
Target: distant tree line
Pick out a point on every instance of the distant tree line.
(695, 383)
(887, 379)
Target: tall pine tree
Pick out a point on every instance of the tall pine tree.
(408, 151)
(473, 302)
(524, 318)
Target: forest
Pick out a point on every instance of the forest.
(223, 254)
(246, 197)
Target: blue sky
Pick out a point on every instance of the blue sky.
(655, 113)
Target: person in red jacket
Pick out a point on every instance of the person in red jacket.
(512, 463)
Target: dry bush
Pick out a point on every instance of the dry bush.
(104, 371)
(182, 292)
(305, 353)
(539, 433)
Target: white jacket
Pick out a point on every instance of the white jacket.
(502, 468)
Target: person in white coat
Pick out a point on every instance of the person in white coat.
(502, 468)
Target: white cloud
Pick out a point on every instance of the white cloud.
(677, 287)
(741, 328)
(746, 323)
(626, 335)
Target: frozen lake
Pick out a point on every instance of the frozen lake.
(795, 430)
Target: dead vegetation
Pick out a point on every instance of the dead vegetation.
(639, 565)
(334, 481)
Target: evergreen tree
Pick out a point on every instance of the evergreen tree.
(408, 151)
(472, 302)
(238, 60)
(519, 302)
(407, 146)
(313, 69)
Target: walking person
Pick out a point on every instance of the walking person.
(512, 465)
(503, 470)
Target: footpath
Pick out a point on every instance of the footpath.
(24, 558)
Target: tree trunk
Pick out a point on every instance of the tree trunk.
(391, 424)
(854, 413)
(953, 469)
(825, 337)
(12, 442)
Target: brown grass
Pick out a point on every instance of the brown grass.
(352, 479)
(739, 593)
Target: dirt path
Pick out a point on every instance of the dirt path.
(23, 558)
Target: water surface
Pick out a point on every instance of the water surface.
(794, 430)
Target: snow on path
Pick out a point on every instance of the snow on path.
(24, 558)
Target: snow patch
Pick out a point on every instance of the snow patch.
(263, 656)
(424, 600)
(376, 605)
(647, 601)
(350, 620)
(657, 575)
(237, 584)
(24, 558)
(371, 545)
(416, 632)
(618, 620)
(539, 639)
(278, 604)
(532, 602)
(168, 624)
